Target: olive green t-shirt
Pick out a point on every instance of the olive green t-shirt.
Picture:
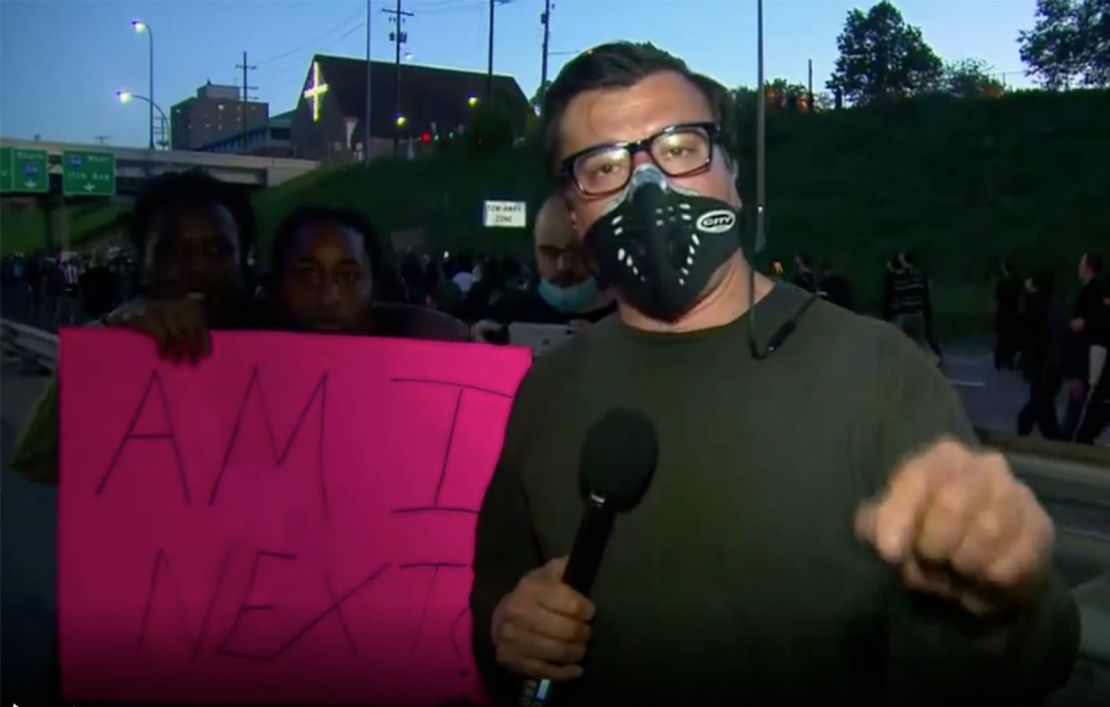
(738, 579)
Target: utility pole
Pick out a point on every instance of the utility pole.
(397, 36)
(809, 94)
(545, 18)
(760, 132)
(366, 135)
(246, 96)
(101, 139)
(489, 73)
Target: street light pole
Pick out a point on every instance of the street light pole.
(760, 134)
(489, 74)
(367, 135)
(150, 36)
(126, 96)
(141, 26)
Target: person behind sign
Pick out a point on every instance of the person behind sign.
(834, 287)
(1043, 357)
(566, 291)
(328, 270)
(804, 277)
(1084, 315)
(1096, 417)
(192, 233)
(790, 550)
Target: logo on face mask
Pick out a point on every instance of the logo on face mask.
(650, 245)
(717, 221)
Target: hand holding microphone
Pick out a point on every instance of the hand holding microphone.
(542, 627)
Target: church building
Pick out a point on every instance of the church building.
(327, 124)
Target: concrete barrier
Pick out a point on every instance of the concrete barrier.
(35, 347)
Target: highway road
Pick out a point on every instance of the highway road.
(28, 537)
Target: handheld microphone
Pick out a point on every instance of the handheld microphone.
(615, 468)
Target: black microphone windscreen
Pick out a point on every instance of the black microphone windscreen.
(619, 458)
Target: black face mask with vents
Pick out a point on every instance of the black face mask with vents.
(659, 245)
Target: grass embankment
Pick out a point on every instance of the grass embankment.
(963, 184)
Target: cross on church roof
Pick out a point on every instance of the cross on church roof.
(316, 91)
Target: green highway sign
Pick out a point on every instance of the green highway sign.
(5, 169)
(29, 171)
(88, 173)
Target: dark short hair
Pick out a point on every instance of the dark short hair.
(1094, 262)
(176, 189)
(285, 240)
(621, 65)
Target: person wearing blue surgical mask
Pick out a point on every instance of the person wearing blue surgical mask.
(566, 291)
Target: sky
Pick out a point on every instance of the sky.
(61, 61)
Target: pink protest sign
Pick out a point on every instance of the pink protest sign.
(291, 521)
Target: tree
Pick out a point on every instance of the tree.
(496, 124)
(1070, 42)
(882, 58)
(783, 95)
(971, 78)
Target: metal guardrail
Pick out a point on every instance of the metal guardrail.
(34, 347)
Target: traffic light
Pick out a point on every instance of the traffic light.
(425, 137)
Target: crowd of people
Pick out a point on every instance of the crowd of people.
(1057, 350)
(75, 288)
(66, 288)
(906, 299)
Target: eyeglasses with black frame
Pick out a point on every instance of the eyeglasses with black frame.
(679, 151)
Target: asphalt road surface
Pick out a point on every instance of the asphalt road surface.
(992, 398)
(28, 536)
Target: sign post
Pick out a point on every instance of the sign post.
(506, 214)
(88, 173)
(6, 184)
(29, 171)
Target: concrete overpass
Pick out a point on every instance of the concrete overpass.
(133, 165)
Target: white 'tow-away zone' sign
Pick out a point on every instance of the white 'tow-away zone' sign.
(505, 214)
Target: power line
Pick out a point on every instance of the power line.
(349, 32)
(314, 40)
(446, 4)
(452, 9)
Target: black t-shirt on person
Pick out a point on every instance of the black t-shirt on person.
(1088, 307)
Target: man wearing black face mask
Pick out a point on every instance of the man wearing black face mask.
(821, 525)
